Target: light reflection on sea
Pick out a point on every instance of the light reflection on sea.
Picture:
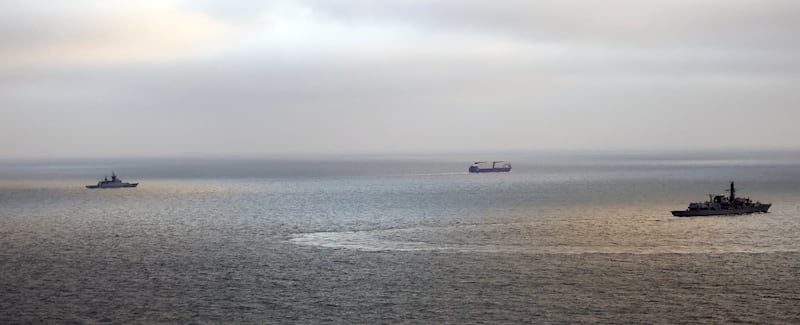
(615, 235)
(566, 240)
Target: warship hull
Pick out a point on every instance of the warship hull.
(762, 208)
(124, 185)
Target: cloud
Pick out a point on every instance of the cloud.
(587, 37)
(620, 23)
(98, 32)
(336, 76)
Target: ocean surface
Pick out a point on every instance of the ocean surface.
(562, 238)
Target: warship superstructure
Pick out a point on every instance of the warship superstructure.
(723, 205)
(497, 166)
(115, 182)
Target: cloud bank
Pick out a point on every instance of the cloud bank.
(88, 78)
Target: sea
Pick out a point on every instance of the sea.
(564, 238)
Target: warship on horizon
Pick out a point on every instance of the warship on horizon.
(115, 182)
(722, 205)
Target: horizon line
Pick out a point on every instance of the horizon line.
(479, 153)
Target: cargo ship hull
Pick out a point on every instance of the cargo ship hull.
(489, 170)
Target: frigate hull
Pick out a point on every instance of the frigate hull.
(722, 212)
(123, 185)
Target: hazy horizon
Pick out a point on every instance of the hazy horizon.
(541, 155)
(287, 78)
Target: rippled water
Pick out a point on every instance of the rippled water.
(562, 238)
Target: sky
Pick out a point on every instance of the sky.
(240, 77)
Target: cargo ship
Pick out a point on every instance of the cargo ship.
(497, 166)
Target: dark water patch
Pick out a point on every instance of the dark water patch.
(319, 285)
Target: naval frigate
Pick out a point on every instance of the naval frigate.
(723, 205)
(115, 182)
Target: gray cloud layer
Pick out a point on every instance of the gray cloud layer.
(397, 76)
(660, 23)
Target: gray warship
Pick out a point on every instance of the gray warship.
(723, 205)
(115, 182)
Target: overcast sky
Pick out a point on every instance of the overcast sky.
(126, 78)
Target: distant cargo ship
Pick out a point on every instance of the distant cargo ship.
(497, 166)
(722, 205)
(115, 182)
